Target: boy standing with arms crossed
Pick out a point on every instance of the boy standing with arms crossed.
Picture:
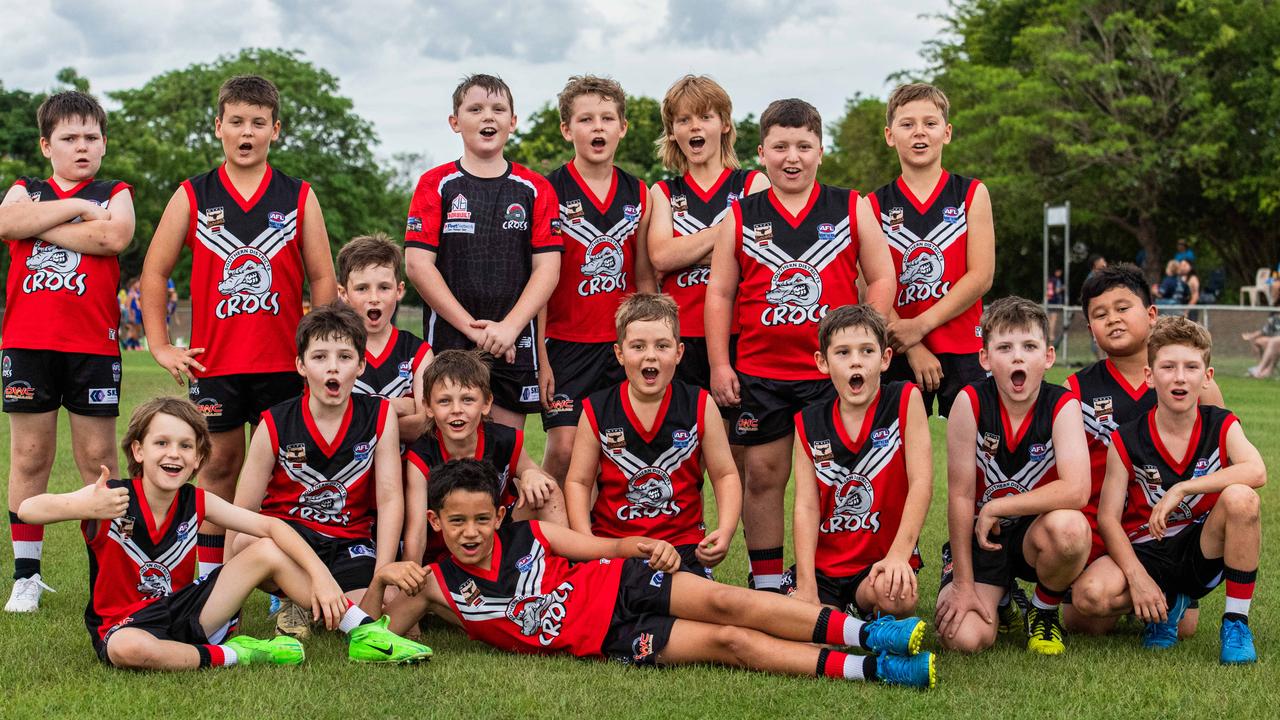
(61, 317)
(254, 234)
(795, 251)
(942, 238)
(480, 248)
(603, 219)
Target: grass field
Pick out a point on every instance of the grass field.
(47, 667)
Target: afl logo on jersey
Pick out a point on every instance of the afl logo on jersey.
(922, 267)
(852, 512)
(362, 451)
(275, 219)
(649, 495)
(516, 218)
(880, 438)
(603, 268)
(896, 219)
(681, 438)
(406, 369)
(731, 198)
(1039, 451)
(246, 283)
(1202, 468)
(53, 269)
(631, 212)
(826, 232)
(794, 292)
(951, 214)
(154, 580)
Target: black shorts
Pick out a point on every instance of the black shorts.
(514, 388)
(1178, 565)
(997, 567)
(769, 407)
(958, 370)
(229, 401)
(580, 369)
(641, 623)
(350, 562)
(690, 563)
(838, 592)
(37, 381)
(173, 617)
(695, 366)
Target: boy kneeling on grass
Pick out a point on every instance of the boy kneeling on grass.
(146, 608)
(539, 588)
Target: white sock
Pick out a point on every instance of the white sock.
(1239, 606)
(353, 618)
(852, 632)
(204, 568)
(767, 582)
(853, 667)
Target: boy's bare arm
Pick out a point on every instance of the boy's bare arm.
(1246, 468)
(874, 260)
(669, 253)
(317, 258)
(162, 256)
(22, 218)
(580, 480)
(962, 480)
(646, 279)
(805, 520)
(980, 264)
(91, 502)
(498, 338)
(255, 474)
(415, 513)
(1147, 598)
(579, 547)
(106, 232)
(918, 451)
(389, 491)
(722, 289)
(725, 483)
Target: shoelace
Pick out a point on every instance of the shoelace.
(28, 588)
(1044, 625)
(1234, 635)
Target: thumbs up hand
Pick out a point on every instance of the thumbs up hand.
(103, 502)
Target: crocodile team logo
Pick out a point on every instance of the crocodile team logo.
(604, 267)
(516, 218)
(541, 615)
(154, 580)
(852, 512)
(922, 267)
(649, 495)
(246, 285)
(794, 292)
(54, 269)
(324, 503)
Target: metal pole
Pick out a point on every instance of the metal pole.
(1044, 256)
(1066, 276)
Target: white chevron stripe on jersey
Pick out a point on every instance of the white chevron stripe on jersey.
(669, 461)
(771, 256)
(1153, 487)
(1027, 477)
(395, 388)
(943, 234)
(819, 254)
(310, 477)
(1100, 431)
(530, 583)
(869, 466)
(169, 558)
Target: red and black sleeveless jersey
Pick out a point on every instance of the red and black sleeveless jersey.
(929, 243)
(327, 486)
(1106, 402)
(484, 232)
(132, 562)
(650, 480)
(246, 271)
(1009, 463)
(531, 600)
(694, 209)
(390, 375)
(496, 443)
(862, 481)
(793, 269)
(598, 267)
(1153, 469)
(58, 299)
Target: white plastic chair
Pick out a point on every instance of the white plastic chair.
(1259, 293)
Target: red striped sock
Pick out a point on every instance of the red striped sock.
(28, 547)
(1046, 599)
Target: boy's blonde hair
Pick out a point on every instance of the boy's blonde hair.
(376, 250)
(696, 94)
(579, 85)
(1177, 330)
(911, 92)
(464, 368)
(640, 307)
(1014, 313)
(140, 423)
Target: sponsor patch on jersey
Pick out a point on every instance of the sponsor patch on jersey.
(880, 438)
(630, 212)
(125, 526)
(896, 219)
(951, 214)
(679, 205)
(468, 228)
(7, 367)
(557, 227)
(822, 454)
(1103, 408)
(115, 372)
(826, 232)
(104, 396)
(525, 563)
(406, 369)
(209, 407)
(560, 403)
(529, 394)
(275, 219)
(731, 198)
(111, 335)
(573, 212)
(763, 232)
(615, 440)
(1038, 452)
(657, 578)
(1202, 468)
(990, 443)
(681, 438)
(216, 218)
(516, 218)
(35, 196)
(747, 424)
(470, 593)
(458, 209)
(362, 451)
(356, 551)
(414, 224)
(296, 454)
(184, 529)
(19, 390)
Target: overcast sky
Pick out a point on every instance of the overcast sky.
(399, 60)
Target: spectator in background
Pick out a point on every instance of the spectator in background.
(1172, 290)
(1055, 294)
(1184, 252)
(1187, 272)
(171, 307)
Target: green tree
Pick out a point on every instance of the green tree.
(163, 133)
(747, 144)
(858, 156)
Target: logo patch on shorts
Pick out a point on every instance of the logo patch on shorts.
(18, 391)
(356, 551)
(7, 366)
(747, 423)
(104, 396)
(529, 394)
(560, 404)
(657, 578)
(209, 407)
(115, 372)
(642, 647)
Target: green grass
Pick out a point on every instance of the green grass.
(48, 668)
